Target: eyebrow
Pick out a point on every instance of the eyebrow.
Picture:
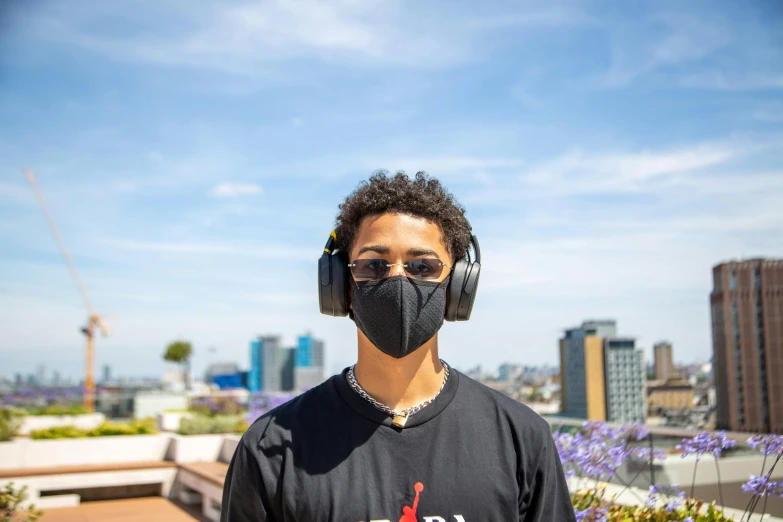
(383, 250)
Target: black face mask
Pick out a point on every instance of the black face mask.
(399, 314)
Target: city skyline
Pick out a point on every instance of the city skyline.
(194, 160)
(58, 378)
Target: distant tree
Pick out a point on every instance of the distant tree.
(179, 352)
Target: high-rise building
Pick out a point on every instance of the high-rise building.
(264, 372)
(626, 399)
(664, 361)
(287, 359)
(308, 362)
(106, 373)
(747, 344)
(601, 374)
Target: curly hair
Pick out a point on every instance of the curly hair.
(423, 196)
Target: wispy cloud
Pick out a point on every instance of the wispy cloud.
(209, 248)
(734, 81)
(664, 42)
(773, 113)
(580, 172)
(251, 38)
(232, 190)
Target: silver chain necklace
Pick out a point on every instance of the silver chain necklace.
(398, 418)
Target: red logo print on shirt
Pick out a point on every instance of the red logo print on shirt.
(408, 512)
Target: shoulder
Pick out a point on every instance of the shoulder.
(522, 421)
(300, 412)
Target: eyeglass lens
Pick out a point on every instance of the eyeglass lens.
(369, 269)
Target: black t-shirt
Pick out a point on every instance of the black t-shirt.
(472, 455)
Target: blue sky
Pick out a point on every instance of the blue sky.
(193, 155)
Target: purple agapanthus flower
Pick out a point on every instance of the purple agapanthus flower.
(591, 514)
(768, 444)
(637, 431)
(762, 486)
(261, 403)
(704, 443)
(671, 496)
(598, 450)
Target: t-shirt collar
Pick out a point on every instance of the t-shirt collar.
(364, 408)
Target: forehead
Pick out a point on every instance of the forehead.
(399, 231)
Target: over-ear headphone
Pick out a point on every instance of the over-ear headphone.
(333, 274)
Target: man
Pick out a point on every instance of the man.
(400, 436)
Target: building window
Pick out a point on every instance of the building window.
(733, 280)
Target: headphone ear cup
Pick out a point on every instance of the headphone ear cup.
(332, 289)
(468, 295)
(325, 285)
(339, 267)
(454, 290)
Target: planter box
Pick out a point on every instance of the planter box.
(28, 453)
(195, 448)
(85, 421)
(169, 421)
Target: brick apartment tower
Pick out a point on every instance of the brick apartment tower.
(747, 344)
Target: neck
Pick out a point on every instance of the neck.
(399, 383)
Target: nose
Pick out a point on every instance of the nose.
(397, 269)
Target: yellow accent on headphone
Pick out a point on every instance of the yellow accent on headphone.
(333, 235)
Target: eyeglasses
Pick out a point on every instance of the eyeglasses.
(374, 269)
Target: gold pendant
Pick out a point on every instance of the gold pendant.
(399, 421)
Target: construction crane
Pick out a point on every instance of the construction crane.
(94, 321)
